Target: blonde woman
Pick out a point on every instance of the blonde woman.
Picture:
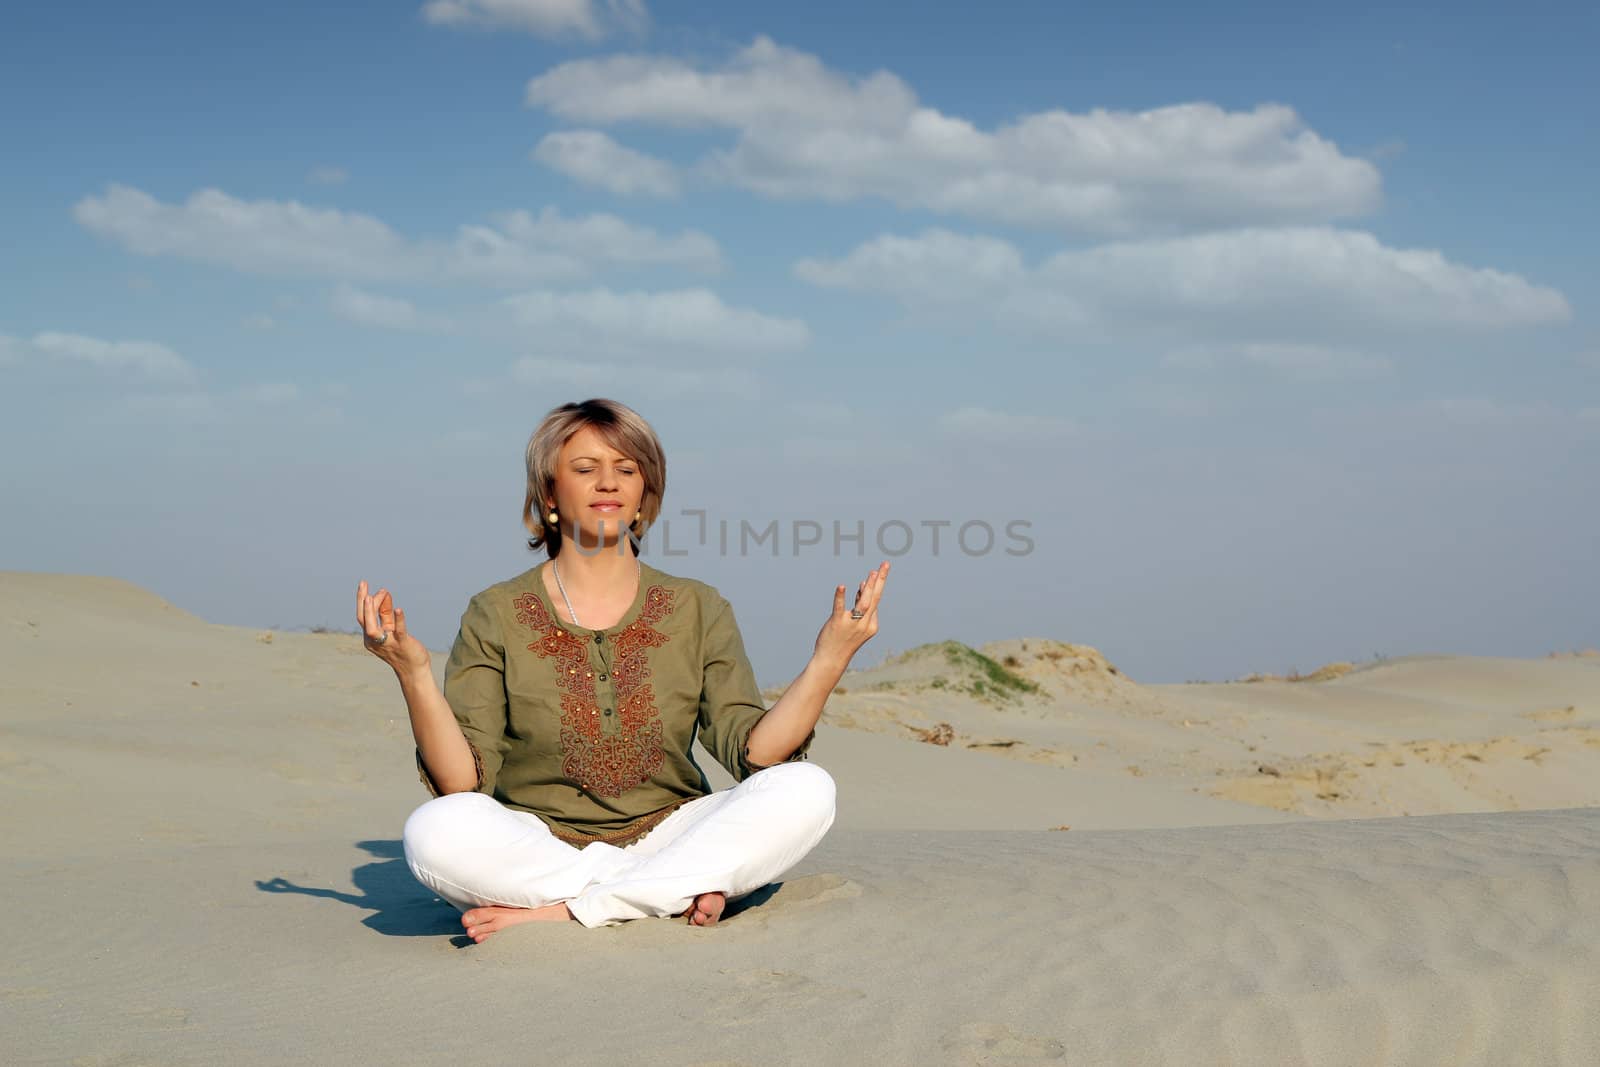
(559, 751)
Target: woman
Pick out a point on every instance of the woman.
(558, 751)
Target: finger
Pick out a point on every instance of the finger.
(374, 619)
(385, 610)
(880, 578)
(869, 590)
(838, 600)
(399, 623)
(361, 599)
(369, 617)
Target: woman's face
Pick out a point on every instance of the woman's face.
(596, 486)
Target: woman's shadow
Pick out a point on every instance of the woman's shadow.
(400, 905)
(403, 907)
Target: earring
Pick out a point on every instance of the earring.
(553, 519)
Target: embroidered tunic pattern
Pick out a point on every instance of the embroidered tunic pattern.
(606, 764)
(632, 767)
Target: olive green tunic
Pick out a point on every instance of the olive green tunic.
(591, 730)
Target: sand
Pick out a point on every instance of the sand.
(1420, 735)
(203, 866)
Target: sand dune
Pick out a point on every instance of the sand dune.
(1419, 735)
(203, 866)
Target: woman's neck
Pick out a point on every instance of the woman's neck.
(600, 572)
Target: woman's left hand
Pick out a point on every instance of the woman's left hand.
(841, 635)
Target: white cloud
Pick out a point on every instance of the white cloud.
(328, 176)
(291, 239)
(686, 321)
(591, 19)
(1300, 286)
(986, 424)
(934, 266)
(263, 236)
(1295, 274)
(144, 360)
(606, 239)
(385, 312)
(593, 158)
(1306, 362)
(802, 130)
(604, 378)
(146, 379)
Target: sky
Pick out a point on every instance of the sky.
(1222, 338)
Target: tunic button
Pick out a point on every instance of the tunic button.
(608, 711)
(602, 677)
(599, 639)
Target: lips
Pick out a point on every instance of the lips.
(607, 505)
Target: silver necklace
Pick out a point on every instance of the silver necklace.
(556, 567)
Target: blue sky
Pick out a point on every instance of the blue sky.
(1275, 327)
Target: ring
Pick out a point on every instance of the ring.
(381, 638)
(858, 614)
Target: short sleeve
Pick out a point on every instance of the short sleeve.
(730, 699)
(475, 689)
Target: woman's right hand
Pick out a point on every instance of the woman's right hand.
(379, 617)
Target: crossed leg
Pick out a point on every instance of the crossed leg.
(504, 867)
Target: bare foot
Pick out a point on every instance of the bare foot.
(481, 922)
(707, 909)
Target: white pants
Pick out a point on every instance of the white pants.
(473, 851)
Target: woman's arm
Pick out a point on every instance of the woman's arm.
(442, 746)
(791, 720)
(444, 749)
(788, 723)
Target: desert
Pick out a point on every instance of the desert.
(1037, 860)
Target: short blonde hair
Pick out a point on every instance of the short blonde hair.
(620, 427)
